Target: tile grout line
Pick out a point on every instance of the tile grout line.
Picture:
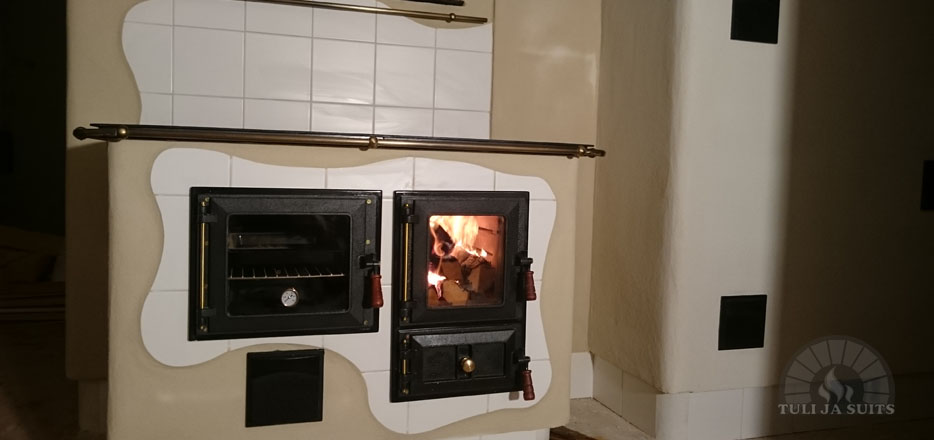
(243, 85)
(375, 61)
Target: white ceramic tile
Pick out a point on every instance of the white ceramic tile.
(405, 31)
(541, 434)
(541, 380)
(470, 437)
(541, 222)
(479, 38)
(151, 11)
(639, 400)
(164, 328)
(464, 80)
(156, 109)
(173, 267)
(394, 416)
(207, 111)
(278, 67)
(369, 352)
(425, 415)
(246, 173)
(537, 187)
(671, 416)
(176, 170)
(448, 175)
(343, 72)
(581, 375)
(208, 62)
(386, 176)
(279, 19)
(345, 25)
(276, 115)
(715, 415)
(148, 49)
(403, 121)
(608, 384)
(340, 118)
(535, 344)
(404, 76)
(462, 124)
(215, 14)
(385, 249)
(760, 413)
(311, 341)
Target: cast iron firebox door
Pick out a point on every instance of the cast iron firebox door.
(461, 279)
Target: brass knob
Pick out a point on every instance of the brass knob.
(468, 365)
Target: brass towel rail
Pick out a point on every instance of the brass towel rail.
(119, 132)
(450, 17)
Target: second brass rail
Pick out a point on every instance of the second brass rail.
(449, 17)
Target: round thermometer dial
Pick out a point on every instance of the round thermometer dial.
(289, 297)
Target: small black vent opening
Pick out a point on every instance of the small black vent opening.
(755, 21)
(284, 387)
(927, 186)
(742, 322)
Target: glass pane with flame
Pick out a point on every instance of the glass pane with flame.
(465, 263)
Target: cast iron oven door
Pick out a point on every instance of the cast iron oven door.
(460, 287)
(277, 262)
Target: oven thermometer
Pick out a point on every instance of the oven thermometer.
(289, 297)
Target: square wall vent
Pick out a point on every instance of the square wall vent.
(755, 20)
(742, 322)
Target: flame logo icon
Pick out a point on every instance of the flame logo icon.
(833, 390)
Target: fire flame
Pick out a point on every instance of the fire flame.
(435, 279)
(462, 230)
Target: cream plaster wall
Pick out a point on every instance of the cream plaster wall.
(545, 69)
(632, 197)
(561, 68)
(791, 170)
(730, 131)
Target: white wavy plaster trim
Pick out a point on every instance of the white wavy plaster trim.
(164, 314)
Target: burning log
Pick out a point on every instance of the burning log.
(454, 294)
(451, 269)
(482, 277)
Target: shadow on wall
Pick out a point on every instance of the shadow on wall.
(859, 252)
(32, 115)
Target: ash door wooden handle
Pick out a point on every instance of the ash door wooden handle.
(528, 390)
(530, 286)
(376, 290)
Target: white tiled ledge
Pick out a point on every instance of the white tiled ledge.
(163, 319)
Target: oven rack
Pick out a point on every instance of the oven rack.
(280, 272)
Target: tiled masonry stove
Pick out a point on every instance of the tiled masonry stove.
(382, 294)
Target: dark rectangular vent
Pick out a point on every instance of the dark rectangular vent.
(755, 21)
(284, 387)
(742, 322)
(927, 186)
